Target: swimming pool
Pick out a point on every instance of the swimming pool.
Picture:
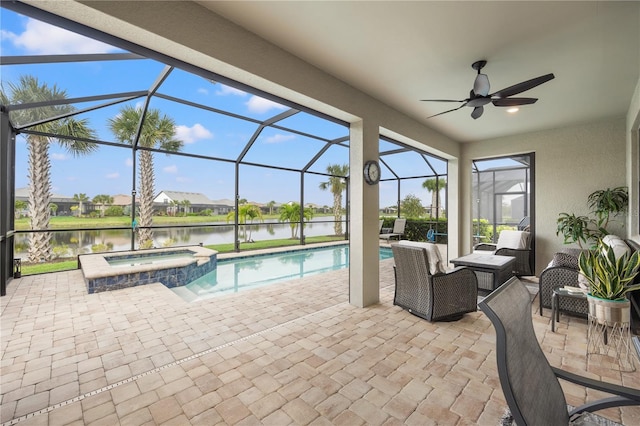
(236, 274)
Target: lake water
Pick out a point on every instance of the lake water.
(71, 243)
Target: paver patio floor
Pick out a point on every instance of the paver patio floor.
(289, 353)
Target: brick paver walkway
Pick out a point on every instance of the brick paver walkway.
(290, 353)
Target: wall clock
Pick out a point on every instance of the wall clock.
(372, 172)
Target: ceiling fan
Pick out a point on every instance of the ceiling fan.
(479, 95)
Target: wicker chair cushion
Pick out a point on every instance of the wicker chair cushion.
(513, 240)
(620, 248)
(436, 265)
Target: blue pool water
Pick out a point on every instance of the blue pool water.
(233, 275)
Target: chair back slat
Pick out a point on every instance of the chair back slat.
(530, 387)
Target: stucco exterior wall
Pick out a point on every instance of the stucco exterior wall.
(571, 163)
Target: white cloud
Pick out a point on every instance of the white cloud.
(193, 133)
(173, 169)
(41, 38)
(203, 91)
(128, 162)
(279, 138)
(114, 175)
(227, 90)
(58, 156)
(182, 179)
(262, 105)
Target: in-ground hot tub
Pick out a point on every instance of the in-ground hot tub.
(172, 267)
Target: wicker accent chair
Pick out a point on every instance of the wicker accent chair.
(562, 272)
(440, 296)
(529, 383)
(515, 244)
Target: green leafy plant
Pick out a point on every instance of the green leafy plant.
(608, 277)
(574, 229)
(604, 204)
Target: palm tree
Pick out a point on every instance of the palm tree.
(290, 212)
(30, 90)
(102, 200)
(80, 199)
(337, 184)
(246, 211)
(157, 132)
(434, 185)
(186, 204)
(271, 204)
(174, 206)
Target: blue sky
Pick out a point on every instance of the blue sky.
(109, 171)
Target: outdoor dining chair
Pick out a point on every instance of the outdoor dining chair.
(529, 383)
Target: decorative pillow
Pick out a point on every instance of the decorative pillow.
(620, 248)
(436, 265)
(565, 259)
(513, 239)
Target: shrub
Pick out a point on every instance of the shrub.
(113, 211)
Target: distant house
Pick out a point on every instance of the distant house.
(63, 203)
(172, 203)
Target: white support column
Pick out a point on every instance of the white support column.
(364, 263)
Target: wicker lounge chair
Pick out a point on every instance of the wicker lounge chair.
(529, 383)
(397, 232)
(436, 296)
(512, 243)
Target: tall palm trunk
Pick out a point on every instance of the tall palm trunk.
(39, 198)
(146, 198)
(337, 213)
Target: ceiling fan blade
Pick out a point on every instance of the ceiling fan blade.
(522, 87)
(442, 100)
(507, 102)
(481, 85)
(477, 112)
(455, 109)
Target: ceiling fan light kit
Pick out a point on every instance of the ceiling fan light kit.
(479, 96)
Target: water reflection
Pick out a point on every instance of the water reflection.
(72, 243)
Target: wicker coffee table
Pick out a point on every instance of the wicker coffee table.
(491, 270)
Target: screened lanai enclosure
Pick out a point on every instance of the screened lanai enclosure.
(502, 188)
(109, 146)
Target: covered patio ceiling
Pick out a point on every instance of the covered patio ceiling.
(402, 52)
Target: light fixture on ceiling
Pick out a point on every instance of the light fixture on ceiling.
(513, 110)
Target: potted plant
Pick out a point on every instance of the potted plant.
(604, 204)
(610, 280)
(574, 229)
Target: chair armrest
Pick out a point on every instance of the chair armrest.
(485, 247)
(613, 389)
(623, 395)
(450, 271)
(460, 275)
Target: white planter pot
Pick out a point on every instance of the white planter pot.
(609, 312)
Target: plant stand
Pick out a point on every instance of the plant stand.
(613, 340)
